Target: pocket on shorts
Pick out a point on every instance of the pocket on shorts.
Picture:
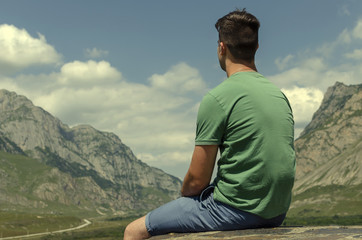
(205, 194)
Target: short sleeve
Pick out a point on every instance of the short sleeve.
(210, 122)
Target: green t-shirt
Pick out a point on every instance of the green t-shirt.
(252, 122)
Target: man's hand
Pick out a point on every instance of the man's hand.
(200, 171)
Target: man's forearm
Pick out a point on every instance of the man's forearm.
(191, 187)
(199, 173)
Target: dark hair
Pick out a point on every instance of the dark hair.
(239, 31)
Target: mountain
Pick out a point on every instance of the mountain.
(328, 153)
(80, 167)
(47, 166)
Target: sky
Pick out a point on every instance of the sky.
(139, 69)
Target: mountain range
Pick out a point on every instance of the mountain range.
(82, 168)
(47, 166)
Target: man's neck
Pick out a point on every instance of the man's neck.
(232, 67)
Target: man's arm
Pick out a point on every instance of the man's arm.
(200, 171)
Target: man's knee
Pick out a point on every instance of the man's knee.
(129, 232)
(136, 230)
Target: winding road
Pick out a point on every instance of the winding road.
(86, 223)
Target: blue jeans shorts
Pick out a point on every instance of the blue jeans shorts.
(202, 213)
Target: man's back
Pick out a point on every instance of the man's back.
(253, 124)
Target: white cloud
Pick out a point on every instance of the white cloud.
(356, 54)
(88, 74)
(304, 102)
(305, 85)
(167, 158)
(315, 70)
(20, 50)
(180, 79)
(95, 53)
(283, 63)
(157, 119)
(325, 65)
(344, 37)
(175, 163)
(152, 119)
(133, 105)
(9, 84)
(308, 73)
(357, 31)
(327, 49)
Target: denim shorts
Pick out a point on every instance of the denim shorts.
(202, 213)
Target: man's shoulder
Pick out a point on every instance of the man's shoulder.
(221, 89)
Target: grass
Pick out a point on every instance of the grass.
(18, 223)
(12, 224)
(101, 229)
(328, 205)
(327, 201)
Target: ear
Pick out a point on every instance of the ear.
(222, 48)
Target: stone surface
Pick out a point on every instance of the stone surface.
(296, 233)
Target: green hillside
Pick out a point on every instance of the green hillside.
(328, 200)
(21, 178)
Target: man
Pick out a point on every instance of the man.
(250, 120)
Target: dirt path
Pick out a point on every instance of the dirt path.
(86, 223)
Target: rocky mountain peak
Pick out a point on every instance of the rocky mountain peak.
(82, 151)
(329, 150)
(334, 101)
(11, 101)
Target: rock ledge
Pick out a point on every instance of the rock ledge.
(296, 232)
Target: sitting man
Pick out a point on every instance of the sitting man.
(250, 121)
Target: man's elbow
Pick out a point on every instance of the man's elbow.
(193, 188)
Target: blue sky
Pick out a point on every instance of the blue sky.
(140, 68)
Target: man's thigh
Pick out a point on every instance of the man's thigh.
(198, 214)
(176, 216)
